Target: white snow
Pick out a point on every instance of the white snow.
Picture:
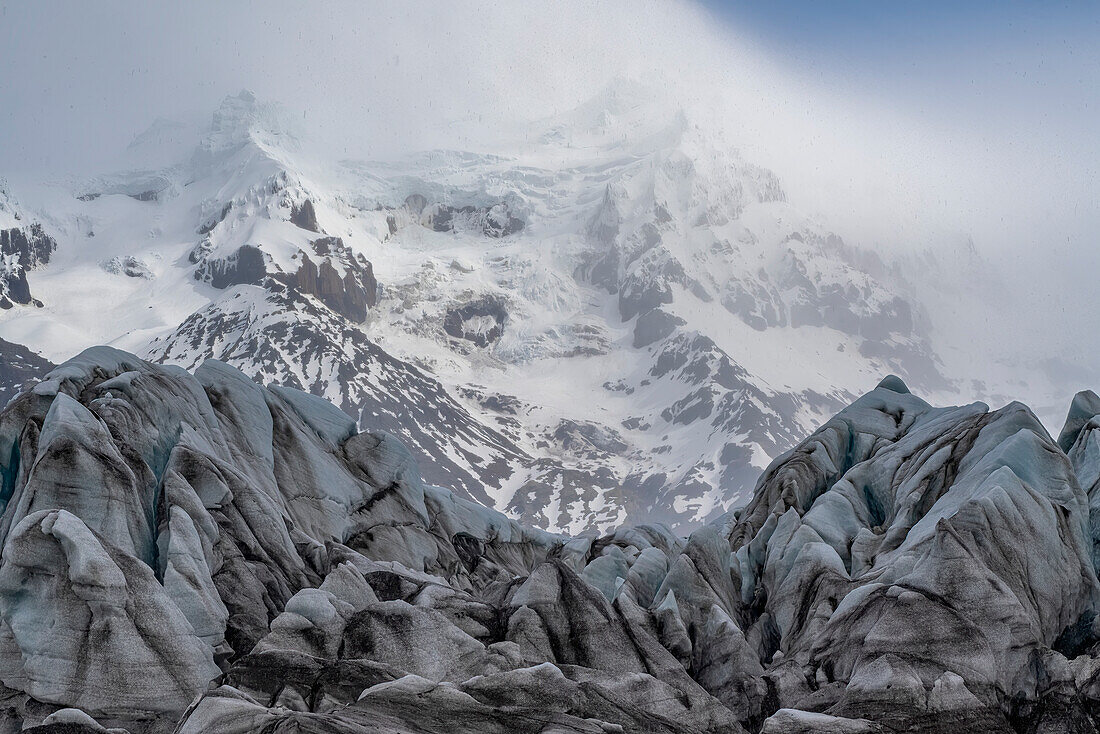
(616, 160)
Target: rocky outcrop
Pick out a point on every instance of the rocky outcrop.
(129, 266)
(247, 265)
(653, 326)
(304, 216)
(341, 279)
(22, 249)
(496, 220)
(480, 321)
(349, 294)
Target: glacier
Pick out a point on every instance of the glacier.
(192, 551)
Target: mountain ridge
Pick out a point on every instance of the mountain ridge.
(694, 322)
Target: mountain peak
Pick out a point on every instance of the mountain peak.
(625, 110)
(242, 119)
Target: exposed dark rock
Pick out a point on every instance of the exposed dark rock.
(585, 437)
(493, 221)
(22, 249)
(16, 290)
(246, 266)
(757, 303)
(603, 270)
(481, 322)
(30, 245)
(638, 294)
(653, 326)
(350, 295)
(303, 215)
(129, 266)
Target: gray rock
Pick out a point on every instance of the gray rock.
(350, 294)
(653, 326)
(129, 266)
(303, 215)
(481, 321)
(22, 249)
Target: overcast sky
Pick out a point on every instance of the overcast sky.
(1009, 89)
(897, 120)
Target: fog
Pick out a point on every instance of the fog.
(990, 133)
(970, 144)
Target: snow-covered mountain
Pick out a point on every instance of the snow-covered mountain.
(612, 318)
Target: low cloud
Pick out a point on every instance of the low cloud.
(1014, 167)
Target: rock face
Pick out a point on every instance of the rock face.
(129, 266)
(303, 215)
(350, 294)
(494, 221)
(481, 321)
(193, 552)
(244, 266)
(340, 279)
(21, 249)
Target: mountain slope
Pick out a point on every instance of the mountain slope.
(18, 367)
(613, 318)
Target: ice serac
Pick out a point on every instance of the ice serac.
(1081, 442)
(193, 552)
(885, 575)
(86, 624)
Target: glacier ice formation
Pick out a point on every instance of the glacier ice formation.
(194, 552)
